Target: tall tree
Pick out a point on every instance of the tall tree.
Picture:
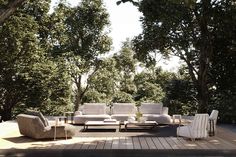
(126, 64)
(185, 29)
(84, 38)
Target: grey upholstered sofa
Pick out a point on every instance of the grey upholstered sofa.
(121, 111)
(32, 126)
(91, 112)
(155, 112)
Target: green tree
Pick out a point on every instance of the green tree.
(126, 65)
(106, 80)
(28, 76)
(81, 40)
(186, 29)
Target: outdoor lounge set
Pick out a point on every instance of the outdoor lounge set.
(34, 125)
(121, 112)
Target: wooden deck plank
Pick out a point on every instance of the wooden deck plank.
(93, 143)
(172, 143)
(178, 143)
(143, 143)
(157, 143)
(150, 143)
(115, 143)
(122, 143)
(220, 143)
(136, 143)
(86, 143)
(108, 143)
(101, 143)
(164, 143)
(129, 143)
(184, 143)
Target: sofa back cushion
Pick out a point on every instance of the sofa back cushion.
(151, 108)
(94, 108)
(124, 108)
(38, 114)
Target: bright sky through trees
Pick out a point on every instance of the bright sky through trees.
(125, 24)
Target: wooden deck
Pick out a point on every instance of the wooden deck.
(10, 138)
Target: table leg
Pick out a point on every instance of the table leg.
(55, 132)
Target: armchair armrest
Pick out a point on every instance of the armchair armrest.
(78, 113)
(165, 110)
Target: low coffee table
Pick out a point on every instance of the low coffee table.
(151, 124)
(101, 123)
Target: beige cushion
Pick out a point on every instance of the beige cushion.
(123, 108)
(39, 114)
(94, 108)
(151, 108)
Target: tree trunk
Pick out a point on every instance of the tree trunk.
(204, 58)
(78, 99)
(9, 9)
(6, 113)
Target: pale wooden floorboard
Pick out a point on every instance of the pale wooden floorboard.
(157, 143)
(143, 143)
(136, 143)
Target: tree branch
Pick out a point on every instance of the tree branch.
(9, 9)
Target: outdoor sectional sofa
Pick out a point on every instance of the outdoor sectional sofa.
(121, 112)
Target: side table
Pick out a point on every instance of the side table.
(177, 116)
(71, 114)
(212, 127)
(57, 125)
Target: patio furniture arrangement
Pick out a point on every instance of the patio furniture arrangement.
(121, 112)
(196, 129)
(37, 127)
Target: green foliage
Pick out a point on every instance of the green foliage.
(149, 92)
(196, 32)
(28, 77)
(181, 97)
(122, 97)
(94, 96)
(80, 37)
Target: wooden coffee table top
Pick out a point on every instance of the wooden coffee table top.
(148, 123)
(101, 123)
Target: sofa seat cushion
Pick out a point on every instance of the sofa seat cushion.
(159, 118)
(122, 117)
(81, 119)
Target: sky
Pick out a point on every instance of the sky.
(125, 24)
